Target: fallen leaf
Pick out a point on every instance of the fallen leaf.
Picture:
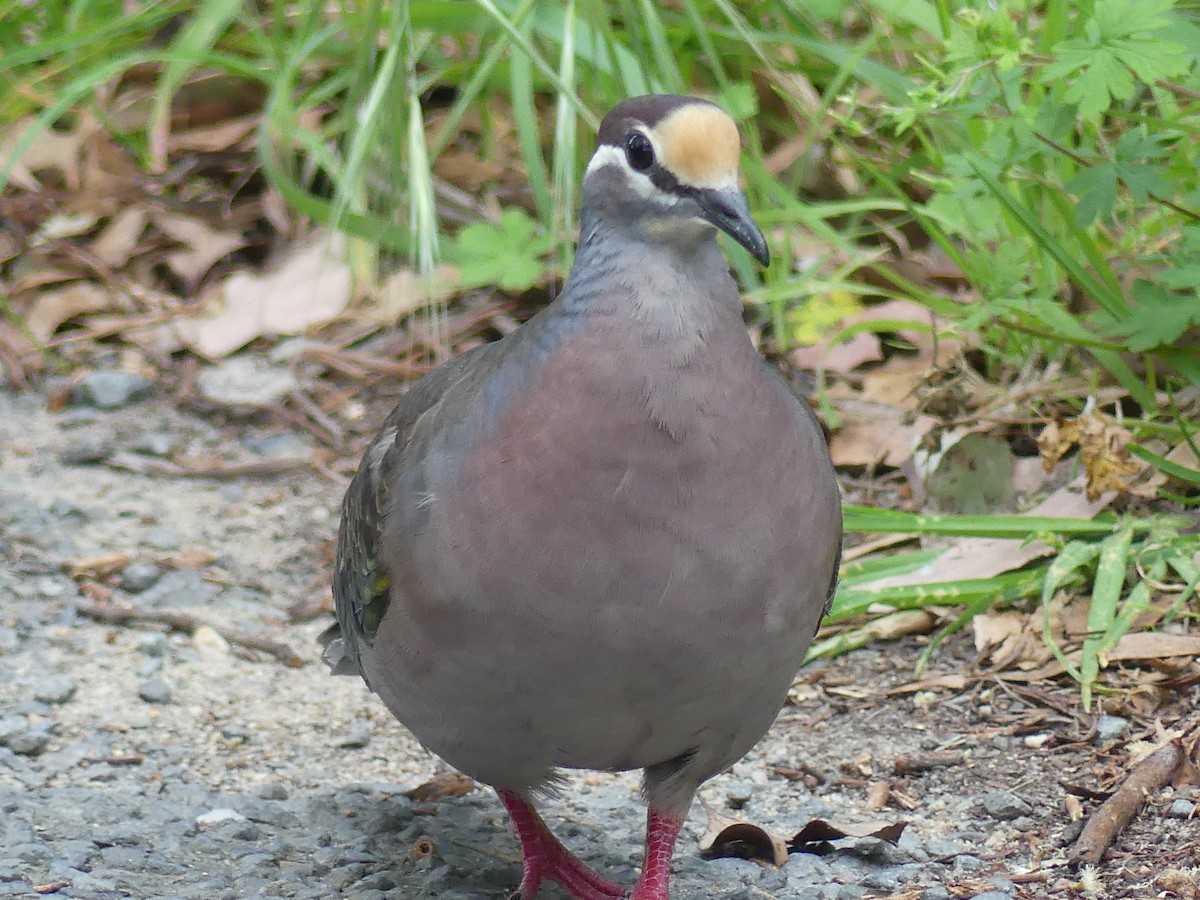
(987, 557)
(312, 286)
(1104, 451)
(50, 309)
(404, 292)
(51, 150)
(203, 246)
(1142, 645)
(815, 837)
(873, 434)
(118, 240)
(823, 354)
(445, 784)
(725, 837)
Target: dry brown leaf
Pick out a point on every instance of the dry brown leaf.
(202, 246)
(445, 784)
(216, 138)
(50, 309)
(311, 287)
(58, 151)
(876, 434)
(728, 837)
(824, 355)
(1104, 451)
(816, 835)
(1142, 645)
(987, 557)
(466, 170)
(118, 240)
(404, 292)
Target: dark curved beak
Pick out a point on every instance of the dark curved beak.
(728, 210)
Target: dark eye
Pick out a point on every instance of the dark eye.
(639, 151)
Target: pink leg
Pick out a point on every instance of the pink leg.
(662, 829)
(547, 859)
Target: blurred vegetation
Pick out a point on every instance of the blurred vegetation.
(1044, 152)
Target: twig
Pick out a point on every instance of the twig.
(112, 614)
(1110, 819)
(142, 465)
(911, 763)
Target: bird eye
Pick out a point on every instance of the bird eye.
(639, 151)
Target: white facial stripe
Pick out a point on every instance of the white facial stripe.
(608, 155)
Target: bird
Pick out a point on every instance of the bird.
(605, 540)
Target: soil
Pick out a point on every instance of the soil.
(141, 762)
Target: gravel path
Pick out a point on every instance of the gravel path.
(140, 763)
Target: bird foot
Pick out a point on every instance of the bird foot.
(548, 860)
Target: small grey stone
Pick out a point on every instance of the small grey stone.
(284, 444)
(232, 492)
(738, 793)
(357, 737)
(1005, 805)
(1110, 728)
(50, 587)
(183, 587)
(272, 790)
(55, 689)
(155, 443)
(30, 742)
(137, 577)
(220, 816)
(164, 537)
(244, 381)
(87, 449)
(155, 691)
(993, 895)
(1181, 809)
(110, 389)
(935, 892)
(154, 644)
(968, 863)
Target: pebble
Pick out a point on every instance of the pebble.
(164, 537)
(219, 816)
(154, 691)
(110, 389)
(356, 738)
(1005, 805)
(87, 449)
(285, 444)
(935, 892)
(153, 645)
(245, 381)
(182, 587)
(137, 577)
(210, 645)
(154, 443)
(55, 689)
(993, 895)
(271, 790)
(1110, 728)
(1182, 809)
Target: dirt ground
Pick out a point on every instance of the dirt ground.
(141, 761)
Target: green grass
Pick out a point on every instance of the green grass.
(1047, 149)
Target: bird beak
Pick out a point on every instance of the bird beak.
(728, 210)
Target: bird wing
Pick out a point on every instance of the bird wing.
(361, 581)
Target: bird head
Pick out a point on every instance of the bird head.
(668, 166)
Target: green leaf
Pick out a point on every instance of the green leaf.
(1096, 188)
(1159, 319)
(507, 255)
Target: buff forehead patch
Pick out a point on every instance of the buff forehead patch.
(699, 144)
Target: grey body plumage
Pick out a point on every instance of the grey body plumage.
(604, 541)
